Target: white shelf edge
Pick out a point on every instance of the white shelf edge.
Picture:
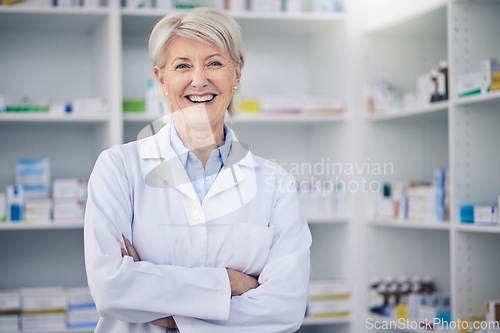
(139, 117)
(401, 19)
(243, 15)
(460, 101)
(62, 224)
(408, 113)
(68, 330)
(26, 9)
(381, 319)
(327, 220)
(45, 117)
(250, 118)
(324, 321)
(477, 228)
(286, 118)
(409, 225)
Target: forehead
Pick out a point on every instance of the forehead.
(192, 48)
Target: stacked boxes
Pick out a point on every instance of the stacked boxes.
(82, 312)
(43, 309)
(10, 306)
(328, 299)
(69, 198)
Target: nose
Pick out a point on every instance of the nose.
(199, 80)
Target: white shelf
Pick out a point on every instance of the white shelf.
(51, 18)
(436, 108)
(69, 330)
(477, 228)
(50, 225)
(30, 9)
(326, 321)
(327, 220)
(45, 117)
(285, 118)
(421, 18)
(492, 97)
(248, 118)
(244, 15)
(410, 225)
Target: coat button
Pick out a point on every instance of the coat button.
(196, 214)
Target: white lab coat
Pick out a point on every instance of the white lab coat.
(249, 221)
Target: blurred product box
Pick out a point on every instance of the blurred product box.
(328, 298)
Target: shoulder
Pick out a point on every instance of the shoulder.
(273, 173)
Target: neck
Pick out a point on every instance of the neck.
(200, 139)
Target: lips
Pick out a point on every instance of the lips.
(201, 98)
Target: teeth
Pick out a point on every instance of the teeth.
(201, 99)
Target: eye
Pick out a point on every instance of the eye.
(215, 63)
(181, 66)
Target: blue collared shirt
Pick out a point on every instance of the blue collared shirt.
(201, 178)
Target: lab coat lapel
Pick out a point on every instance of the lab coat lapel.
(234, 172)
(170, 171)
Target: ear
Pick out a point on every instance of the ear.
(159, 75)
(238, 68)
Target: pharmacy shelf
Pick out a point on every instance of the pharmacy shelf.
(60, 225)
(291, 118)
(410, 225)
(381, 319)
(51, 18)
(45, 117)
(69, 330)
(31, 9)
(144, 20)
(249, 118)
(326, 321)
(477, 228)
(327, 220)
(421, 18)
(245, 15)
(493, 97)
(437, 108)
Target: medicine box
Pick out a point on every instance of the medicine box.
(469, 84)
(489, 67)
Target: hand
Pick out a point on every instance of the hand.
(129, 251)
(240, 282)
(168, 322)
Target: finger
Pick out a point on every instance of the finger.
(124, 252)
(130, 249)
(160, 322)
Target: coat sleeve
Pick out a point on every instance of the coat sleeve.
(139, 292)
(278, 304)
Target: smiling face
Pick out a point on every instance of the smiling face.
(198, 77)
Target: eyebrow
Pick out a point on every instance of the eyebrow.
(187, 59)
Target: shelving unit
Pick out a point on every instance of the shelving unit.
(463, 36)
(102, 53)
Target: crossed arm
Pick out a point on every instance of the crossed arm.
(239, 282)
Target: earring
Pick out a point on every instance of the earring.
(235, 87)
(166, 93)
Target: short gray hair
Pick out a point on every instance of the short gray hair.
(208, 25)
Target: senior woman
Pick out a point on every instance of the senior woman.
(186, 230)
